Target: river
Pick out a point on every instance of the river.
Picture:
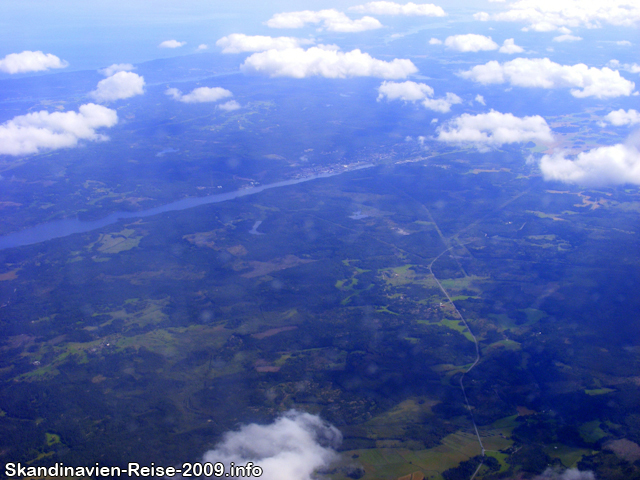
(69, 226)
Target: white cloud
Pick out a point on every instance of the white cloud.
(229, 106)
(435, 41)
(391, 8)
(481, 16)
(171, 44)
(550, 15)
(200, 95)
(407, 91)
(202, 46)
(29, 61)
(612, 165)
(291, 448)
(494, 129)
(115, 68)
(569, 474)
(470, 42)
(567, 38)
(627, 67)
(238, 42)
(480, 99)
(442, 105)
(118, 86)
(622, 117)
(325, 61)
(413, 92)
(624, 43)
(331, 19)
(42, 130)
(543, 73)
(509, 46)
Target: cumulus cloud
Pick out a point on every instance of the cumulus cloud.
(627, 67)
(407, 91)
(543, 73)
(171, 44)
(325, 61)
(29, 61)
(331, 19)
(482, 16)
(199, 95)
(413, 92)
(118, 86)
(494, 129)
(480, 99)
(550, 15)
(611, 165)
(442, 105)
(238, 43)
(229, 106)
(623, 43)
(202, 46)
(115, 68)
(567, 38)
(42, 130)
(435, 41)
(509, 46)
(391, 8)
(291, 448)
(622, 117)
(569, 474)
(470, 42)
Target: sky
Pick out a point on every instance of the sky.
(587, 50)
(97, 34)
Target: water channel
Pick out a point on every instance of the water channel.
(69, 226)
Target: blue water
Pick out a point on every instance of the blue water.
(63, 228)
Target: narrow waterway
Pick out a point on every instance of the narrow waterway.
(69, 226)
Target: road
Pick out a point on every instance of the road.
(475, 341)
